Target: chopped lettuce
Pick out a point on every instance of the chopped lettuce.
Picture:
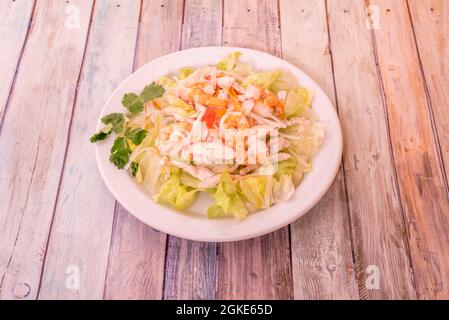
(227, 201)
(298, 103)
(153, 133)
(185, 72)
(308, 135)
(229, 63)
(233, 63)
(215, 212)
(179, 106)
(286, 81)
(283, 189)
(287, 167)
(167, 82)
(275, 81)
(263, 79)
(174, 193)
(257, 190)
(189, 180)
(149, 167)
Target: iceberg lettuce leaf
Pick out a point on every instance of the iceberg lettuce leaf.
(264, 79)
(174, 193)
(283, 189)
(255, 189)
(229, 63)
(298, 102)
(227, 200)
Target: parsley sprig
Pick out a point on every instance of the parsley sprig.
(134, 103)
(117, 122)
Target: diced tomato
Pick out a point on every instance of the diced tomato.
(209, 118)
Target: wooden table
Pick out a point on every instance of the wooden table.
(381, 231)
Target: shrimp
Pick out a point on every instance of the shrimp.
(230, 125)
(171, 137)
(265, 111)
(225, 82)
(247, 106)
(253, 92)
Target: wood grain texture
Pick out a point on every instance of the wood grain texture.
(15, 20)
(33, 141)
(431, 17)
(81, 232)
(416, 155)
(377, 221)
(137, 257)
(320, 241)
(198, 260)
(259, 268)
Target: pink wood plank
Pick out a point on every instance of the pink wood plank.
(137, 257)
(202, 27)
(33, 141)
(258, 268)
(431, 26)
(376, 215)
(320, 241)
(416, 152)
(81, 232)
(15, 17)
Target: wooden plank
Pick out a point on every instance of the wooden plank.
(202, 27)
(416, 154)
(431, 25)
(33, 141)
(15, 19)
(81, 232)
(320, 241)
(137, 257)
(259, 268)
(376, 218)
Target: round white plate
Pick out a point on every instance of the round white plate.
(194, 223)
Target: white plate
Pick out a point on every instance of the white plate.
(194, 224)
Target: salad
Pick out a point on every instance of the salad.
(244, 136)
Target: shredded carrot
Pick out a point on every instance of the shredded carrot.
(156, 104)
(216, 102)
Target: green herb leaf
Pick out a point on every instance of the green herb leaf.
(98, 136)
(102, 134)
(151, 92)
(120, 152)
(134, 167)
(116, 120)
(136, 135)
(133, 103)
